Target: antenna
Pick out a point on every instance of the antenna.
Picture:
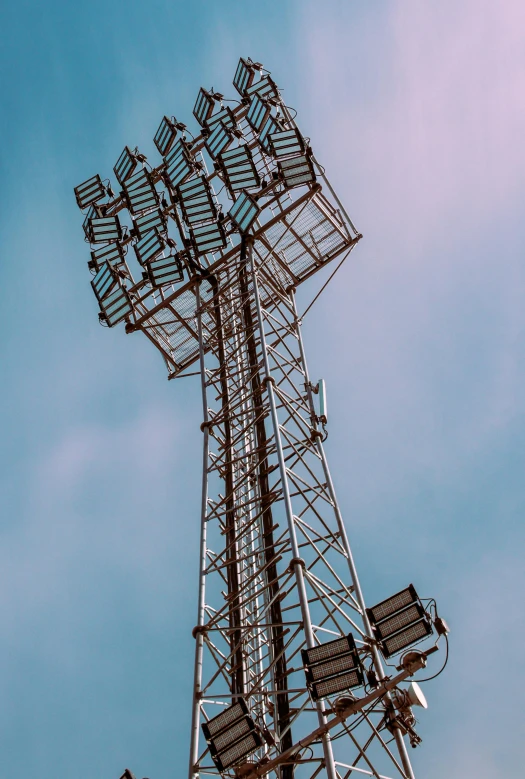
(289, 662)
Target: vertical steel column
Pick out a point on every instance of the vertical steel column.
(297, 563)
(198, 631)
(346, 545)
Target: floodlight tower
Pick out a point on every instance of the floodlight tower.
(288, 675)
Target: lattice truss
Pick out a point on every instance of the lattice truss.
(221, 233)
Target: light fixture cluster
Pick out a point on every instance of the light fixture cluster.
(332, 667)
(231, 736)
(399, 621)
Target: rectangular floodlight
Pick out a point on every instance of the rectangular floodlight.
(257, 113)
(203, 107)
(337, 684)
(140, 192)
(178, 164)
(225, 115)
(391, 605)
(296, 171)
(208, 237)
(239, 169)
(165, 270)
(412, 634)
(148, 247)
(244, 76)
(165, 136)
(399, 620)
(112, 253)
(104, 229)
(341, 646)
(218, 140)
(332, 667)
(244, 212)
(286, 143)
(236, 753)
(126, 164)
(271, 127)
(104, 281)
(196, 201)
(225, 719)
(112, 297)
(89, 191)
(231, 736)
(265, 87)
(153, 220)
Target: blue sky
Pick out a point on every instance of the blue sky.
(416, 112)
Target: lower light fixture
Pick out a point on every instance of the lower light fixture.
(112, 253)
(149, 246)
(89, 191)
(113, 299)
(399, 621)
(208, 237)
(296, 171)
(102, 229)
(244, 212)
(332, 667)
(231, 736)
(165, 270)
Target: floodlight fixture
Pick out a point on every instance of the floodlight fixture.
(165, 270)
(126, 164)
(204, 106)
(178, 163)
(113, 299)
(265, 87)
(332, 667)
(296, 171)
(152, 220)
(399, 621)
(149, 246)
(231, 736)
(225, 115)
(271, 127)
(244, 212)
(165, 135)
(196, 201)
(218, 140)
(104, 229)
(208, 237)
(286, 143)
(239, 169)
(140, 193)
(244, 76)
(89, 192)
(257, 113)
(112, 253)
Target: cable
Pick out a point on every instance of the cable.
(442, 667)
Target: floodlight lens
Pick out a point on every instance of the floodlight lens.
(218, 140)
(104, 229)
(140, 192)
(225, 718)
(225, 115)
(332, 667)
(150, 221)
(196, 201)
(393, 604)
(227, 737)
(148, 247)
(165, 136)
(112, 254)
(399, 620)
(239, 750)
(203, 107)
(329, 650)
(126, 164)
(208, 238)
(165, 270)
(337, 684)
(296, 171)
(257, 113)
(286, 142)
(243, 76)
(103, 282)
(406, 637)
(244, 212)
(239, 169)
(178, 164)
(265, 87)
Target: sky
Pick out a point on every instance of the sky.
(415, 109)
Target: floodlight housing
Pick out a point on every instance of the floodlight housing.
(151, 220)
(208, 237)
(332, 667)
(196, 201)
(225, 115)
(239, 169)
(244, 212)
(218, 140)
(89, 191)
(112, 253)
(126, 164)
(399, 621)
(244, 76)
(203, 106)
(165, 136)
(286, 143)
(165, 270)
(103, 229)
(231, 736)
(296, 171)
(140, 192)
(149, 246)
(257, 113)
(271, 127)
(265, 87)
(178, 163)
(113, 299)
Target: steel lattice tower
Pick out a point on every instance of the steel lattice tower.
(254, 217)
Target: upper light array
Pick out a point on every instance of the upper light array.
(212, 189)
